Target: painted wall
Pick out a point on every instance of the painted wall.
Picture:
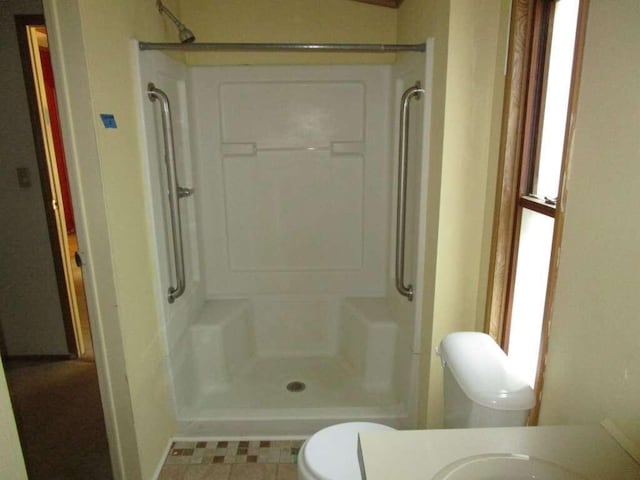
(593, 368)
(469, 55)
(467, 192)
(11, 460)
(108, 28)
(93, 38)
(296, 21)
(30, 309)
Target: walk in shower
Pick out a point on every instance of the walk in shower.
(288, 196)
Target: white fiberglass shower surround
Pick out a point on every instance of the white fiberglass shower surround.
(290, 319)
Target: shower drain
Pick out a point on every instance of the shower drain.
(296, 386)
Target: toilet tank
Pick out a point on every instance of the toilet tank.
(481, 389)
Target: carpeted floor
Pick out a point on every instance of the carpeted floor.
(60, 421)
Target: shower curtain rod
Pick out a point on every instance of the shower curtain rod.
(288, 47)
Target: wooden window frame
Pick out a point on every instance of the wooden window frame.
(521, 125)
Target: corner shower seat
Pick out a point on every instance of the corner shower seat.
(221, 342)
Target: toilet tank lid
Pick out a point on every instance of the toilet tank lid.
(484, 371)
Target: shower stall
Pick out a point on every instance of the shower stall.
(286, 226)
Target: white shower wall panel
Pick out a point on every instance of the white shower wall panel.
(171, 77)
(294, 210)
(295, 178)
(292, 114)
(296, 326)
(410, 316)
(289, 239)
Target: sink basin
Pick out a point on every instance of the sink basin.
(505, 466)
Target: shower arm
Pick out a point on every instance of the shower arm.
(401, 212)
(186, 36)
(175, 192)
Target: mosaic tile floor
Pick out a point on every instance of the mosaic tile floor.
(232, 460)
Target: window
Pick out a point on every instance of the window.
(542, 76)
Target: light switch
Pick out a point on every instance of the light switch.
(24, 177)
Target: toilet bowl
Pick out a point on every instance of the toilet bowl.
(332, 453)
(481, 390)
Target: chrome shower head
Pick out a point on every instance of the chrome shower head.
(185, 35)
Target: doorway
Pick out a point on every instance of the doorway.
(40, 86)
(55, 397)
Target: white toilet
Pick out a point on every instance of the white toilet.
(480, 390)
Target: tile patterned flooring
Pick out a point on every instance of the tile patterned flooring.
(232, 460)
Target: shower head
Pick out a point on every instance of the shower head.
(185, 35)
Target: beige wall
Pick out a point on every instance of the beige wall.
(593, 369)
(108, 28)
(11, 461)
(98, 65)
(469, 55)
(296, 21)
(473, 40)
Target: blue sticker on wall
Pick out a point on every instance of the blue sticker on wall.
(108, 120)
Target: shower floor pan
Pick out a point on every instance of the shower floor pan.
(257, 401)
(234, 384)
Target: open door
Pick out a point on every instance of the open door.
(40, 86)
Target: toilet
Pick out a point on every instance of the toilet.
(480, 390)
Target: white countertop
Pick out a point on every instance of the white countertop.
(419, 454)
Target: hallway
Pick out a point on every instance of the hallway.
(59, 417)
(58, 408)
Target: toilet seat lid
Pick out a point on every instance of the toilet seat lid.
(332, 453)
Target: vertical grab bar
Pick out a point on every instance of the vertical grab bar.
(414, 91)
(175, 192)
